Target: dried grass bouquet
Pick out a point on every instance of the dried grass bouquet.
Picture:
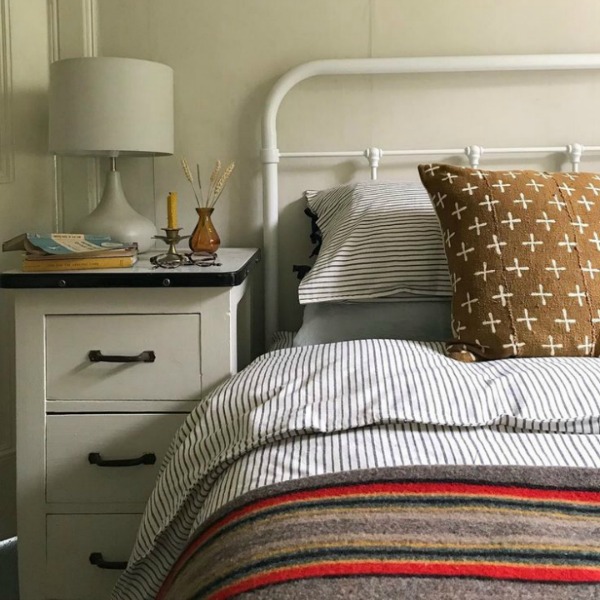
(217, 182)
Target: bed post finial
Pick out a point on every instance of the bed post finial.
(474, 154)
(574, 152)
(373, 155)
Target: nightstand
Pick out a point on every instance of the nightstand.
(108, 364)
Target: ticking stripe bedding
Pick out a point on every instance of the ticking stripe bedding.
(380, 239)
(371, 403)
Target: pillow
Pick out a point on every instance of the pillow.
(523, 249)
(327, 322)
(379, 239)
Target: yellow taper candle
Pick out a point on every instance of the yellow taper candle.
(172, 210)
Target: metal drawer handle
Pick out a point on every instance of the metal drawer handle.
(146, 356)
(97, 560)
(95, 458)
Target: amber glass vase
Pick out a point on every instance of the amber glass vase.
(205, 237)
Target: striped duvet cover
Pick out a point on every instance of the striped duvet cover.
(358, 405)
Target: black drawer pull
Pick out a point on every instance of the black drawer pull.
(95, 458)
(146, 356)
(98, 561)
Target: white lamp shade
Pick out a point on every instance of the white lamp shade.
(111, 106)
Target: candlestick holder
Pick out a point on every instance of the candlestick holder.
(171, 259)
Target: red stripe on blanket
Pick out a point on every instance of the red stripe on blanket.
(411, 488)
(423, 569)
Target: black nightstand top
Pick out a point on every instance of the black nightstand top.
(236, 264)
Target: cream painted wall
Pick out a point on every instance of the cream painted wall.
(26, 201)
(227, 54)
(39, 31)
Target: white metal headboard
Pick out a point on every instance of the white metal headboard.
(270, 154)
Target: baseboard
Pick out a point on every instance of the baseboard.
(8, 503)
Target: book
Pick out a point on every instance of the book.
(34, 264)
(124, 252)
(70, 245)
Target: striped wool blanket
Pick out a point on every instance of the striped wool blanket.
(403, 532)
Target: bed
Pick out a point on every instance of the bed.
(374, 466)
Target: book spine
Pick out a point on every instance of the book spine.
(65, 264)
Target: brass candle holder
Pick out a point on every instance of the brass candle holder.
(171, 259)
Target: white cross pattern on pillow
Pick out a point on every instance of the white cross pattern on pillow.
(525, 279)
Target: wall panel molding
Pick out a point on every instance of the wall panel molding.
(54, 55)
(73, 32)
(7, 170)
(90, 48)
(90, 27)
(7, 434)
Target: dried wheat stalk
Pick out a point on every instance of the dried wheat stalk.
(188, 176)
(220, 185)
(216, 184)
(212, 182)
(200, 184)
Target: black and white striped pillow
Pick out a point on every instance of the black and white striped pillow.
(380, 240)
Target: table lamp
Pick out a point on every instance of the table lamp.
(112, 107)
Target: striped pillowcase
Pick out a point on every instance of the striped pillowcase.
(380, 240)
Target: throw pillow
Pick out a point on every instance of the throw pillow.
(523, 249)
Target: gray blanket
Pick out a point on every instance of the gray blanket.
(410, 532)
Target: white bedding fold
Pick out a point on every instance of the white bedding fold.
(336, 387)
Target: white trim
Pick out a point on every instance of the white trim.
(90, 27)
(270, 154)
(7, 166)
(53, 31)
(54, 55)
(89, 47)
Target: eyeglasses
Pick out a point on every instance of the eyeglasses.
(191, 259)
(202, 259)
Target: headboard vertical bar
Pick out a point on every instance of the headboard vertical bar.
(270, 242)
(474, 154)
(373, 155)
(575, 152)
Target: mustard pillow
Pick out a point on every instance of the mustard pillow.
(523, 249)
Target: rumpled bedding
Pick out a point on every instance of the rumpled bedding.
(337, 390)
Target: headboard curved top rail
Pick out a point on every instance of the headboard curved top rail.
(270, 154)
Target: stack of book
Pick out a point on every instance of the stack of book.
(71, 252)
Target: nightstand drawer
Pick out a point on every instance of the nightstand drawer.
(71, 541)
(133, 357)
(71, 439)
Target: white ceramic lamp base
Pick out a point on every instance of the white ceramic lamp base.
(115, 217)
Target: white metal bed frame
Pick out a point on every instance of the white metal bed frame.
(270, 154)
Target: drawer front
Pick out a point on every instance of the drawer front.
(70, 439)
(173, 374)
(71, 541)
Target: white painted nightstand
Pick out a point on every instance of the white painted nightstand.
(108, 363)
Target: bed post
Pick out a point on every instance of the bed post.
(270, 160)
(575, 152)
